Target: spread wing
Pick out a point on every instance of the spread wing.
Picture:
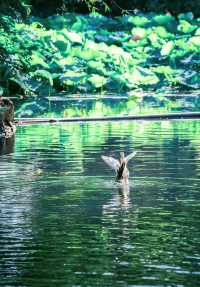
(111, 162)
(130, 156)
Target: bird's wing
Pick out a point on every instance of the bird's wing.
(111, 162)
(130, 156)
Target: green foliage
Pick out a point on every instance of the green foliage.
(97, 81)
(167, 48)
(186, 27)
(43, 74)
(89, 53)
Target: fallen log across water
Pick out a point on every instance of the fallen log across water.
(154, 117)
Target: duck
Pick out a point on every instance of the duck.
(7, 126)
(119, 166)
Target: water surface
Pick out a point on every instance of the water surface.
(65, 222)
(109, 105)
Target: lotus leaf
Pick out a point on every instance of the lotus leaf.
(162, 32)
(67, 61)
(117, 81)
(139, 21)
(167, 73)
(163, 70)
(197, 32)
(140, 32)
(79, 25)
(186, 16)
(163, 20)
(186, 27)
(58, 40)
(118, 77)
(72, 36)
(155, 40)
(43, 74)
(195, 41)
(73, 78)
(90, 54)
(38, 60)
(147, 49)
(98, 66)
(97, 81)
(143, 76)
(167, 48)
(57, 22)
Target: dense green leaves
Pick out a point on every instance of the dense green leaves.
(85, 53)
(97, 81)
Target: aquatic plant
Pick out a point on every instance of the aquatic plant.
(93, 53)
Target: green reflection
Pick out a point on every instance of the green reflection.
(71, 225)
(112, 105)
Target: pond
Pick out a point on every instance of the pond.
(65, 222)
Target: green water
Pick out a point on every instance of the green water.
(65, 222)
(113, 105)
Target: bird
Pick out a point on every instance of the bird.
(119, 166)
(7, 126)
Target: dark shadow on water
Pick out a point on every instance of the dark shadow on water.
(7, 145)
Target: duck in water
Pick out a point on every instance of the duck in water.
(7, 126)
(119, 166)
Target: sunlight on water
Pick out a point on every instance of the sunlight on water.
(64, 221)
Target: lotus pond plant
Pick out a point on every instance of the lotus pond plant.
(92, 53)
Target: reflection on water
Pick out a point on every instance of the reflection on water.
(7, 145)
(65, 106)
(64, 221)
